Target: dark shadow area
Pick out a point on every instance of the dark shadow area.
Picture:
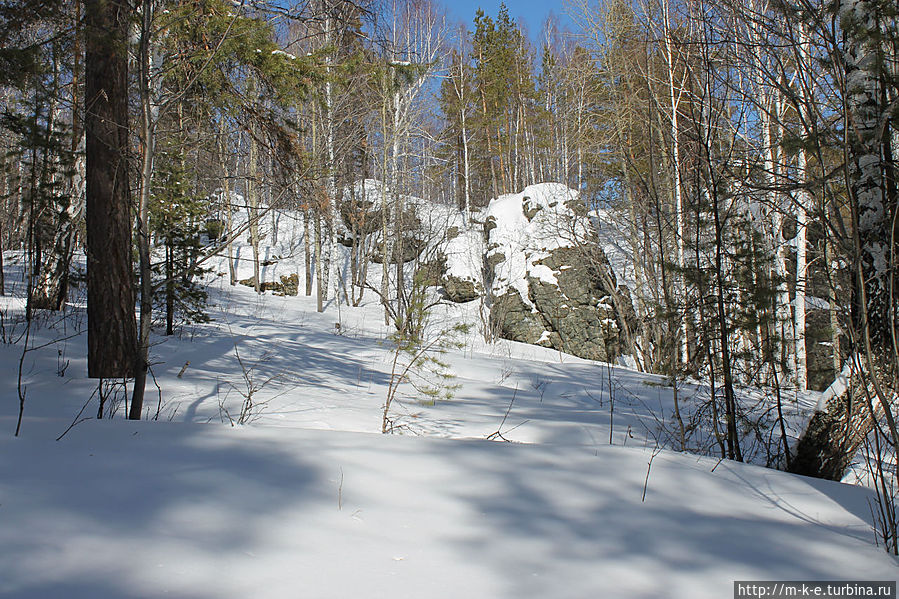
(97, 589)
(693, 525)
(203, 490)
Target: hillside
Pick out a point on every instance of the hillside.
(307, 499)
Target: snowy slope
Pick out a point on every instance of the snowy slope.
(308, 501)
(129, 510)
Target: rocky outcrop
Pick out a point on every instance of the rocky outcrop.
(837, 431)
(361, 214)
(360, 210)
(513, 318)
(411, 249)
(289, 285)
(549, 282)
(575, 313)
(461, 290)
(533, 257)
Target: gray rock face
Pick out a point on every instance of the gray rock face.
(513, 319)
(290, 284)
(461, 290)
(360, 214)
(412, 248)
(575, 316)
(550, 282)
(577, 309)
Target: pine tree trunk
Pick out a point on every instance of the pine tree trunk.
(112, 332)
(2, 274)
(169, 288)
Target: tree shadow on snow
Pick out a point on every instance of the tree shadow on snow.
(73, 522)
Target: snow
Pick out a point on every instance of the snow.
(838, 386)
(309, 500)
(122, 509)
(544, 274)
(523, 242)
(286, 55)
(368, 190)
(613, 240)
(465, 255)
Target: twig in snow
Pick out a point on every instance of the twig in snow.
(76, 421)
(340, 491)
(655, 452)
(497, 434)
(183, 368)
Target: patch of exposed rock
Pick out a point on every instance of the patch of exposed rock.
(546, 279)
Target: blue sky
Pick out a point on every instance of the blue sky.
(533, 12)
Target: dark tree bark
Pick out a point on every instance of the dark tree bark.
(2, 276)
(833, 436)
(112, 328)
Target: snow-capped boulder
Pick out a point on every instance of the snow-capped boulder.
(550, 281)
(423, 223)
(360, 211)
(464, 258)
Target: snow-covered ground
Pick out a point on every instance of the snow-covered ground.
(152, 509)
(308, 500)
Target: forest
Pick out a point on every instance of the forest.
(741, 153)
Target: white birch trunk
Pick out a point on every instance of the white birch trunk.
(804, 206)
(253, 210)
(674, 100)
(801, 246)
(783, 311)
